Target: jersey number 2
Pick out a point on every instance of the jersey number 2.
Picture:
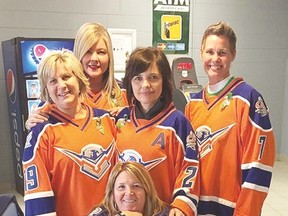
(189, 179)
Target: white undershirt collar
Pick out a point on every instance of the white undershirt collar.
(212, 89)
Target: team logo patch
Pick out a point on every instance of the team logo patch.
(93, 160)
(132, 155)
(260, 107)
(191, 141)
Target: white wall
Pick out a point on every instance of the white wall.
(284, 136)
(261, 27)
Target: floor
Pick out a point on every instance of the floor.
(276, 203)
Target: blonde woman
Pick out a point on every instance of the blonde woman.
(130, 191)
(69, 156)
(93, 47)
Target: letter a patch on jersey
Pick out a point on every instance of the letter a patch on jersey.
(159, 140)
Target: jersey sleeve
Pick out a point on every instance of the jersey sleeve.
(39, 197)
(258, 156)
(187, 186)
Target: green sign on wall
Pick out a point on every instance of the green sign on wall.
(171, 25)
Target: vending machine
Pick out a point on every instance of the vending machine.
(21, 57)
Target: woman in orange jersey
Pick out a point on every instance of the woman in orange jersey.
(93, 47)
(235, 136)
(157, 135)
(131, 191)
(67, 159)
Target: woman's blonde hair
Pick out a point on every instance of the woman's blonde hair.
(87, 36)
(48, 66)
(153, 204)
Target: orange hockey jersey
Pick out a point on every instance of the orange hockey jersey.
(237, 149)
(67, 162)
(166, 146)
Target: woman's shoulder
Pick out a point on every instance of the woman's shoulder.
(102, 211)
(179, 116)
(99, 211)
(244, 90)
(164, 212)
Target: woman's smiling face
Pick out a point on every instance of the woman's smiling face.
(129, 193)
(63, 89)
(217, 58)
(96, 60)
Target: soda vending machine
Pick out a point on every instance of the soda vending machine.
(21, 57)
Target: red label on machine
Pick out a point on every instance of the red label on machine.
(184, 66)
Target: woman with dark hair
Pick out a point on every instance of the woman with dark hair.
(156, 134)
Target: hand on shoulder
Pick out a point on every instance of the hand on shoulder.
(34, 118)
(115, 111)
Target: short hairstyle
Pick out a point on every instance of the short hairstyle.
(48, 66)
(220, 29)
(152, 205)
(87, 36)
(140, 60)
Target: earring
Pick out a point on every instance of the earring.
(50, 100)
(115, 205)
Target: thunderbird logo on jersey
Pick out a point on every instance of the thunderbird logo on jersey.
(132, 155)
(207, 138)
(93, 161)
